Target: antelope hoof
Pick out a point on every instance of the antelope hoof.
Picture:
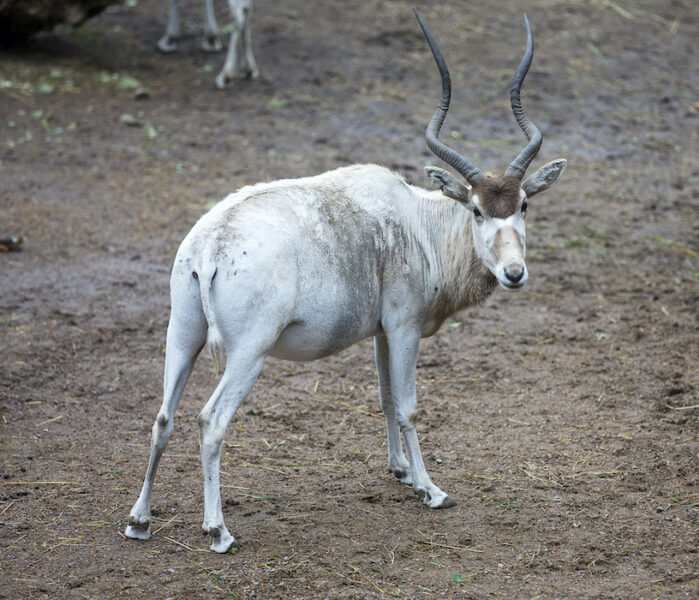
(224, 544)
(138, 531)
(166, 45)
(222, 541)
(446, 502)
(436, 500)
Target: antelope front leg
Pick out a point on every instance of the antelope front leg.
(403, 349)
(397, 463)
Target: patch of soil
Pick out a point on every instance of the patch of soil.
(563, 418)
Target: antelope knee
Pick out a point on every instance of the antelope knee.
(211, 432)
(203, 420)
(162, 427)
(407, 420)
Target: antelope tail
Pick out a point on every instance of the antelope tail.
(214, 341)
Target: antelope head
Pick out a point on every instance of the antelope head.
(499, 204)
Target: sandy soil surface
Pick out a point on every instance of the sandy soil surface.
(563, 418)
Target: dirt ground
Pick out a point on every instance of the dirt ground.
(563, 418)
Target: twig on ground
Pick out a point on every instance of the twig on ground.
(65, 542)
(613, 471)
(682, 407)
(359, 410)
(356, 570)
(370, 512)
(247, 464)
(40, 483)
(164, 525)
(540, 479)
(185, 546)
(464, 548)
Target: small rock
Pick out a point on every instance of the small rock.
(129, 120)
(142, 93)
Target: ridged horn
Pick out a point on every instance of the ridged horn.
(519, 165)
(470, 172)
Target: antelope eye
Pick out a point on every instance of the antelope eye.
(477, 213)
(524, 206)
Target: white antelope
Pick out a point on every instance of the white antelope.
(302, 268)
(239, 59)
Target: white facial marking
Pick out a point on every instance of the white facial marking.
(501, 245)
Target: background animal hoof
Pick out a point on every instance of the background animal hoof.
(166, 45)
(223, 82)
(212, 43)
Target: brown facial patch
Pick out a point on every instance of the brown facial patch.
(504, 237)
(499, 196)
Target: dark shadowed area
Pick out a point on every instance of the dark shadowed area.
(562, 418)
(19, 19)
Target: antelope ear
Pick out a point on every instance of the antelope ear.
(544, 178)
(461, 192)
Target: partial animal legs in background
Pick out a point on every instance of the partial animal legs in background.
(239, 58)
(212, 37)
(249, 66)
(172, 32)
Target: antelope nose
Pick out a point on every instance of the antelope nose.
(514, 274)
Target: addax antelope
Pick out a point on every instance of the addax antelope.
(301, 268)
